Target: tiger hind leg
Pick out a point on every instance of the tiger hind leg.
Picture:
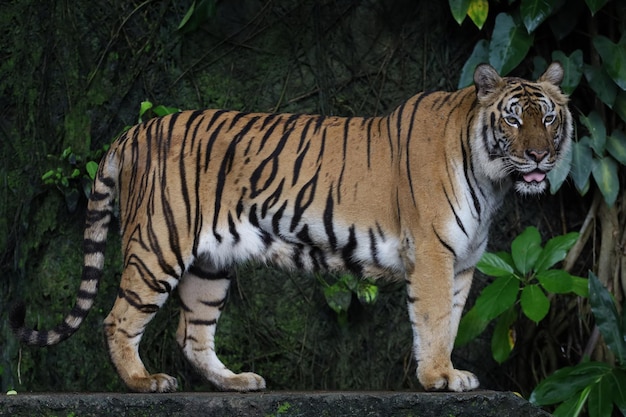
(139, 298)
(203, 295)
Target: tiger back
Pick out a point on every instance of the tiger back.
(407, 197)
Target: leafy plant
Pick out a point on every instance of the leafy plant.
(148, 110)
(339, 294)
(600, 386)
(75, 173)
(522, 279)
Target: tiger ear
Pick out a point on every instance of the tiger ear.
(553, 75)
(487, 80)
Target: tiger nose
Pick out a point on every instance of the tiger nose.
(536, 154)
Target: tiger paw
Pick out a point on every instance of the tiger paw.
(153, 383)
(451, 380)
(245, 381)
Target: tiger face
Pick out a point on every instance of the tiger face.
(525, 127)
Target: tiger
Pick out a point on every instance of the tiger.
(408, 196)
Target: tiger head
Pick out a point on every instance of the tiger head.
(523, 128)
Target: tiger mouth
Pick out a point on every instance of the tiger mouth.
(535, 176)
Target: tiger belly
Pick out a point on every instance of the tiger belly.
(367, 252)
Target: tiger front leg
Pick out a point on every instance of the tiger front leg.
(203, 295)
(435, 301)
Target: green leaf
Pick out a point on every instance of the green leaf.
(582, 159)
(607, 319)
(92, 168)
(479, 55)
(503, 338)
(561, 170)
(619, 106)
(534, 12)
(47, 175)
(555, 251)
(478, 11)
(338, 297)
(619, 389)
(493, 265)
(601, 83)
(164, 111)
(595, 5)
(367, 292)
(565, 20)
(198, 13)
(580, 286)
(556, 281)
(525, 249)
(600, 401)
(573, 406)
(187, 16)
(613, 58)
(471, 325)
(495, 298)
(616, 145)
(568, 382)
(459, 9)
(595, 125)
(509, 44)
(604, 172)
(535, 304)
(573, 69)
(143, 108)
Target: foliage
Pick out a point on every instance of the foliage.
(339, 294)
(523, 277)
(148, 110)
(73, 174)
(599, 385)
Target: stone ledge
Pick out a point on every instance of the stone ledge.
(270, 404)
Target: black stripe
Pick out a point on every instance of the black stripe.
(272, 199)
(347, 253)
(232, 229)
(107, 181)
(328, 220)
(370, 121)
(304, 198)
(199, 322)
(456, 217)
(215, 303)
(206, 275)
(277, 217)
(183, 161)
(298, 163)
(96, 196)
(444, 243)
(374, 248)
(134, 300)
(408, 142)
(91, 246)
(468, 168)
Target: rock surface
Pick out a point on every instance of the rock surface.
(270, 404)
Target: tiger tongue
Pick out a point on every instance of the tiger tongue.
(536, 176)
